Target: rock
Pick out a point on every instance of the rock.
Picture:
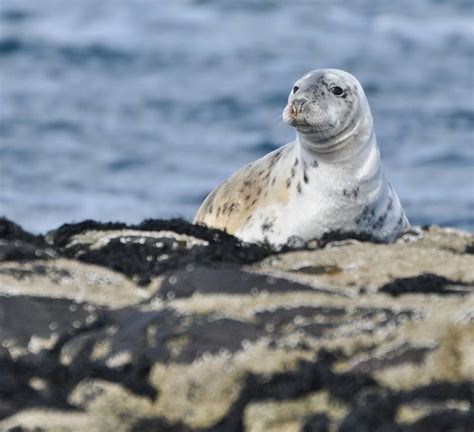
(166, 326)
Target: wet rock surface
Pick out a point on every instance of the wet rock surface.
(166, 326)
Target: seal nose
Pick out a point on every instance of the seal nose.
(297, 105)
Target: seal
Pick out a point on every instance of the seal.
(330, 178)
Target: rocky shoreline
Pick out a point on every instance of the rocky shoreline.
(167, 326)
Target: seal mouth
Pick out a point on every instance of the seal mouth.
(295, 118)
(302, 126)
(305, 120)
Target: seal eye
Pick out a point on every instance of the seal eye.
(295, 89)
(337, 91)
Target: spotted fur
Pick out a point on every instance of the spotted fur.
(238, 196)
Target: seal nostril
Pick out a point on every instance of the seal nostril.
(295, 89)
(298, 104)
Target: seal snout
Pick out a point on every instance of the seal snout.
(296, 106)
(295, 112)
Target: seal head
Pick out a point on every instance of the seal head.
(327, 106)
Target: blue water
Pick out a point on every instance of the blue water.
(124, 110)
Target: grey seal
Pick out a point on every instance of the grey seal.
(330, 178)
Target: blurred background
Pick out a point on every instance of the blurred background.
(125, 110)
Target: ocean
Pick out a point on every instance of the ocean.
(126, 110)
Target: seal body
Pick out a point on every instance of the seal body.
(329, 179)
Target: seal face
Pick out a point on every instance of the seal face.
(329, 178)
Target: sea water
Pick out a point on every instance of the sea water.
(125, 110)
